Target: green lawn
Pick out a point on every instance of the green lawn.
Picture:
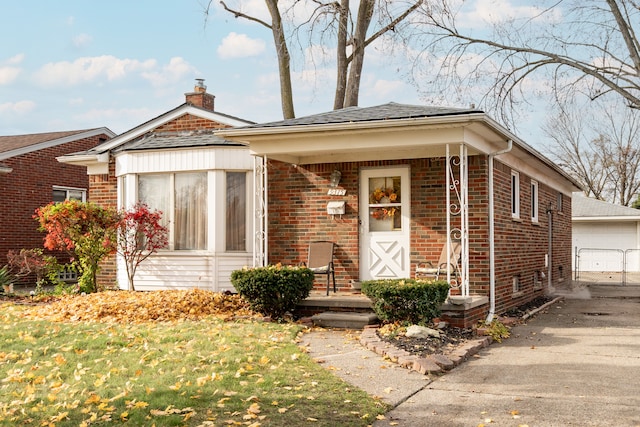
(206, 372)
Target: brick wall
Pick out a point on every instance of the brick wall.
(189, 122)
(297, 216)
(30, 185)
(103, 190)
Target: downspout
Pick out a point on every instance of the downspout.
(550, 249)
(492, 262)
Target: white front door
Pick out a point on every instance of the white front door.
(384, 223)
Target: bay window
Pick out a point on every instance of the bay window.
(182, 199)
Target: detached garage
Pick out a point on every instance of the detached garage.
(606, 237)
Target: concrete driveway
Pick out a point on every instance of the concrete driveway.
(576, 364)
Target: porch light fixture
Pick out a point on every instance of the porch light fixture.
(334, 180)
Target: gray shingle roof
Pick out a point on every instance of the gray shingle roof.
(163, 140)
(587, 207)
(388, 111)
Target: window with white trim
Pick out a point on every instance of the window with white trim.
(182, 199)
(236, 212)
(560, 201)
(534, 201)
(515, 194)
(60, 194)
(516, 284)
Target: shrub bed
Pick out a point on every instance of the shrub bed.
(406, 300)
(273, 290)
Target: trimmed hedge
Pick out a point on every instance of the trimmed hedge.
(273, 290)
(406, 300)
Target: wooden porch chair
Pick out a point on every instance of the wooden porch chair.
(444, 265)
(320, 260)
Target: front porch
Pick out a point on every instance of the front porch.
(353, 310)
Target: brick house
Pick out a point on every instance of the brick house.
(31, 177)
(414, 180)
(201, 183)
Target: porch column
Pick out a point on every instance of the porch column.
(457, 211)
(260, 223)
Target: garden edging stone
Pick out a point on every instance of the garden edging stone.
(432, 364)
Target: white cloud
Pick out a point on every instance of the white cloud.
(8, 74)
(76, 101)
(118, 120)
(82, 40)
(240, 46)
(16, 59)
(176, 69)
(20, 107)
(89, 69)
(387, 88)
(496, 11)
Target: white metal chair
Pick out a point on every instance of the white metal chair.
(444, 265)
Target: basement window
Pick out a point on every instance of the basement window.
(516, 284)
(60, 194)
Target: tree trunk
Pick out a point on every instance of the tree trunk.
(341, 61)
(365, 12)
(284, 60)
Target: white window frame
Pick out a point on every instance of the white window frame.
(69, 189)
(560, 200)
(515, 194)
(534, 201)
(517, 286)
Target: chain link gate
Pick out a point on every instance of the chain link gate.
(607, 266)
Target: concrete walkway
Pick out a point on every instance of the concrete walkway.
(576, 364)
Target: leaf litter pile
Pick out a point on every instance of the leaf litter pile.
(137, 307)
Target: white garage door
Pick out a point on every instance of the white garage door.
(601, 246)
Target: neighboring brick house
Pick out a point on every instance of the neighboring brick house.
(409, 177)
(31, 177)
(201, 183)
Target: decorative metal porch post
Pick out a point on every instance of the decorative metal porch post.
(458, 208)
(260, 211)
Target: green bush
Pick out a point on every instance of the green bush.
(273, 290)
(406, 300)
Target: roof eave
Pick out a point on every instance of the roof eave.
(604, 218)
(96, 164)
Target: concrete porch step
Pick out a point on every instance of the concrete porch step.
(342, 319)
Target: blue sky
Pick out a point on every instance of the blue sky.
(76, 64)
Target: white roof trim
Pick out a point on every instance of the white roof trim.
(604, 218)
(165, 118)
(55, 142)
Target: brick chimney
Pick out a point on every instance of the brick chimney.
(199, 97)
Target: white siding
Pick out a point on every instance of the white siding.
(186, 271)
(207, 269)
(237, 158)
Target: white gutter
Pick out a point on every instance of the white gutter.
(492, 245)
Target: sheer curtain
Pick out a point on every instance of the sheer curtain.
(190, 230)
(152, 190)
(236, 211)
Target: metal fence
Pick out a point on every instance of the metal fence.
(607, 266)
